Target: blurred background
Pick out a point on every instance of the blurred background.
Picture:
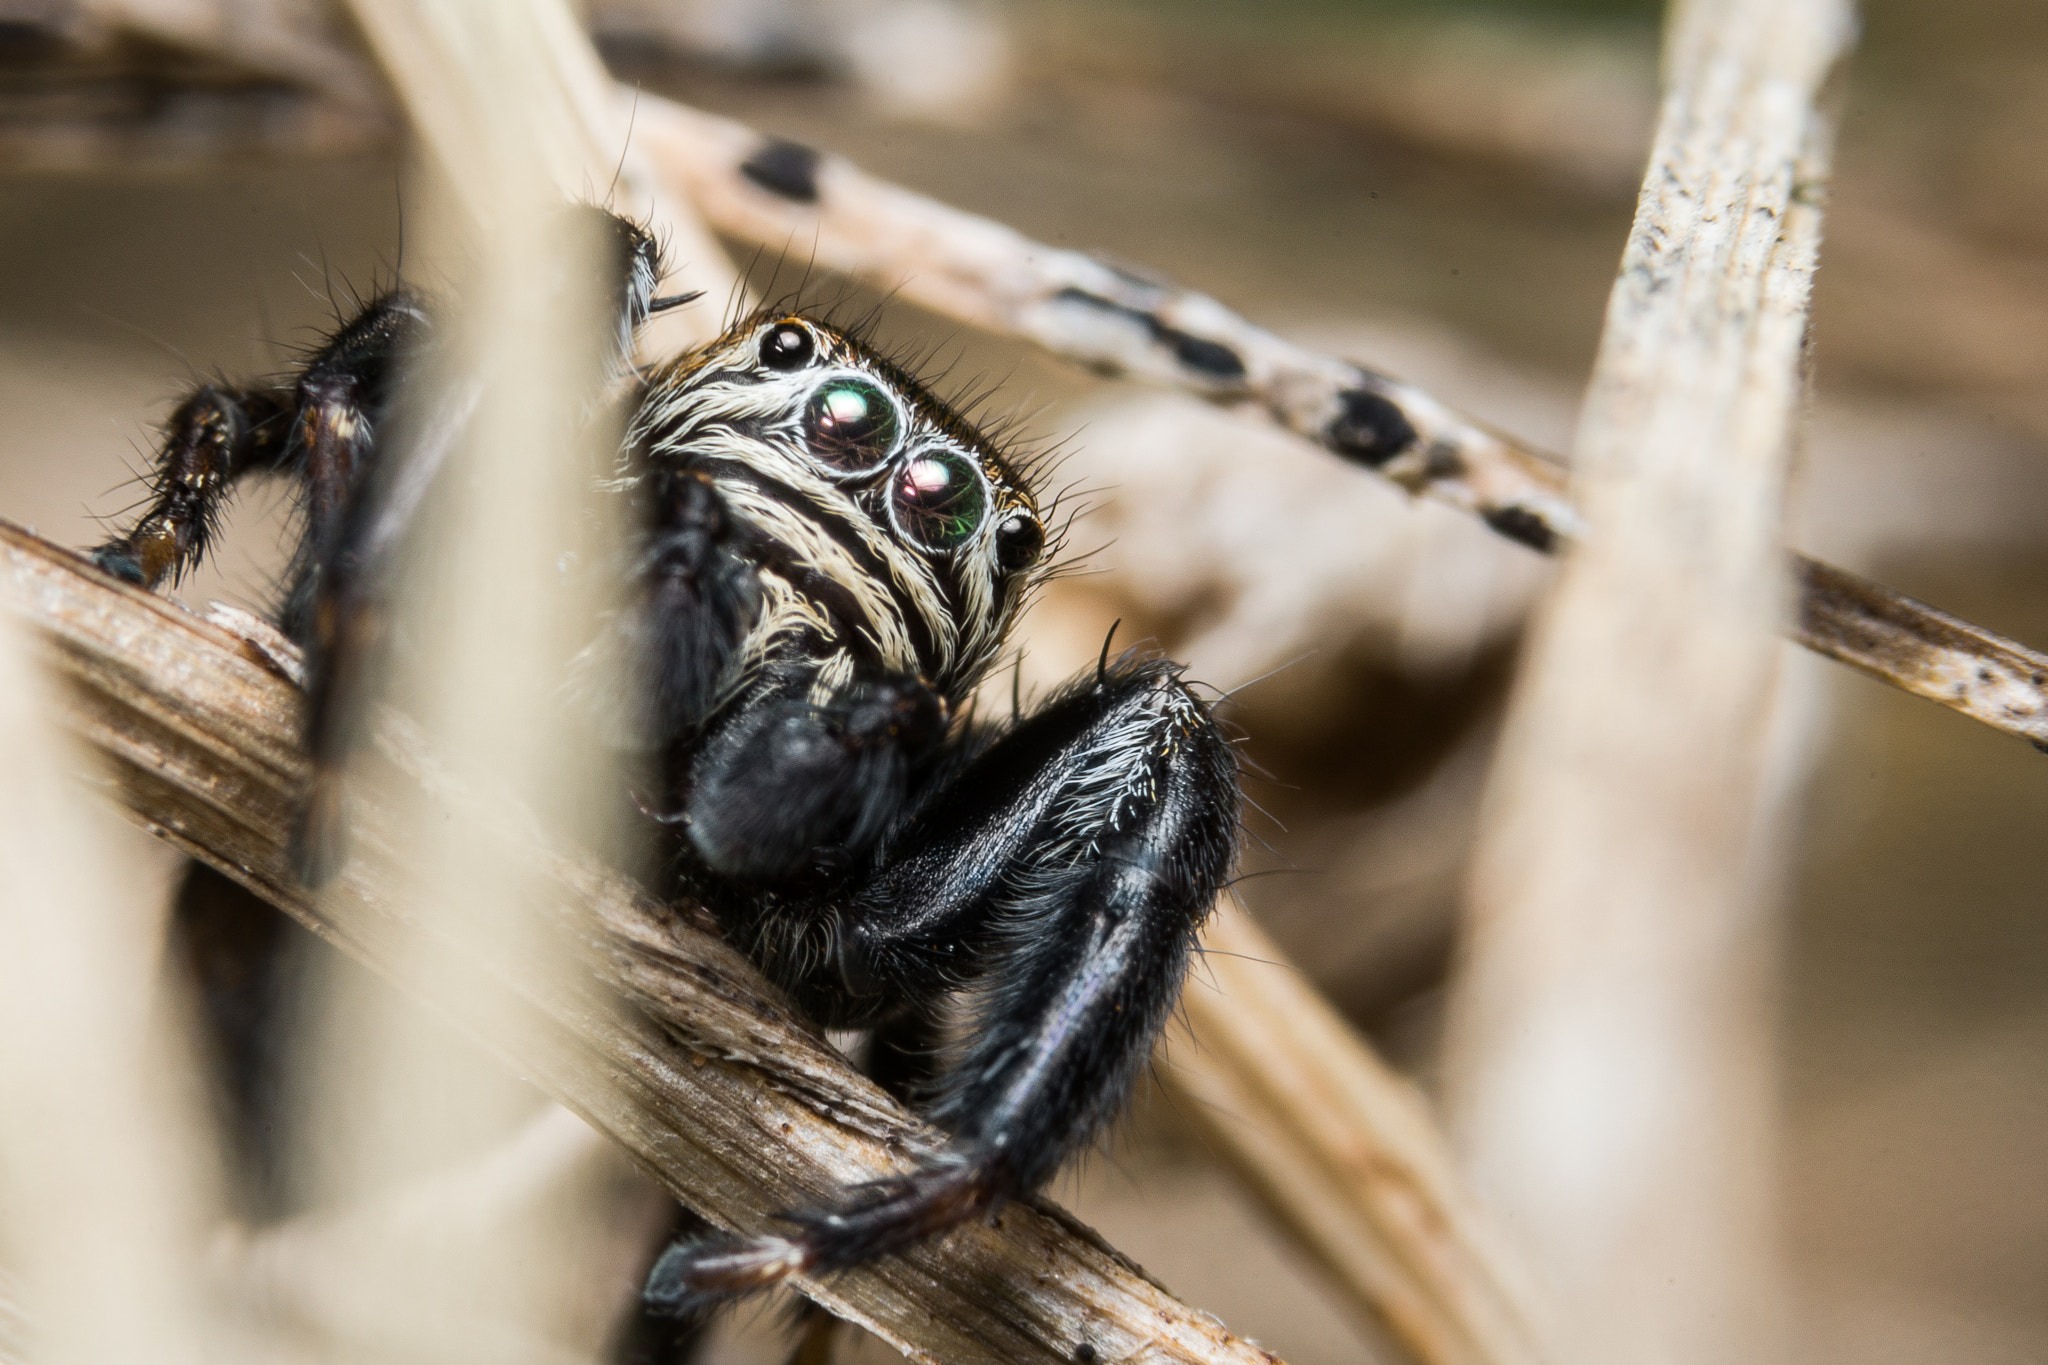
(1437, 188)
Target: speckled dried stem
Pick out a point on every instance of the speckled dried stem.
(1117, 322)
(670, 1042)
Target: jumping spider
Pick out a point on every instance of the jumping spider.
(828, 561)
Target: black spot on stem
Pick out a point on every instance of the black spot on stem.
(1210, 358)
(1371, 428)
(789, 169)
(1519, 523)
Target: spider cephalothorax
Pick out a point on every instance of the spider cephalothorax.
(878, 549)
(825, 561)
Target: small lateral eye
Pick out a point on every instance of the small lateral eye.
(1020, 540)
(939, 499)
(788, 346)
(851, 425)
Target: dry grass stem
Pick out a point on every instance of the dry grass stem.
(566, 115)
(1344, 1152)
(495, 436)
(103, 1177)
(1608, 1056)
(373, 1279)
(668, 1040)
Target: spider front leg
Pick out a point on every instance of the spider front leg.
(1064, 872)
(214, 438)
(332, 606)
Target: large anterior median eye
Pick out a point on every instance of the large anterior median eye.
(938, 499)
(851, 424)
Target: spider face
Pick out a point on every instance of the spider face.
(824, 560)
(880, 510)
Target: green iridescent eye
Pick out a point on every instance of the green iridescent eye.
(851, 424)
(939, 499)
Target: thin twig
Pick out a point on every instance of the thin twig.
(670, 1042)
(1127, 323)
(1923, 650)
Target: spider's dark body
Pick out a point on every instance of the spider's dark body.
(828, 563)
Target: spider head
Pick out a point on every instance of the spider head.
(827, 446)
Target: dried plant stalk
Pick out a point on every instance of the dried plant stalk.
(452, 87)
(505, 483)
(1922, 650)
(102, 1169)
(669, 1041)
(1344, 1152)
(1608, 1058)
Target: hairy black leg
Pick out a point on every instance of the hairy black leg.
(239, 953)
(341, 404)
(648, 1337)
(1077, 855)
(787, 782)
(212, 439)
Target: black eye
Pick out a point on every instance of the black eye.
(788, 347)
(852, 425)
(1020, 540)
(939, 500)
